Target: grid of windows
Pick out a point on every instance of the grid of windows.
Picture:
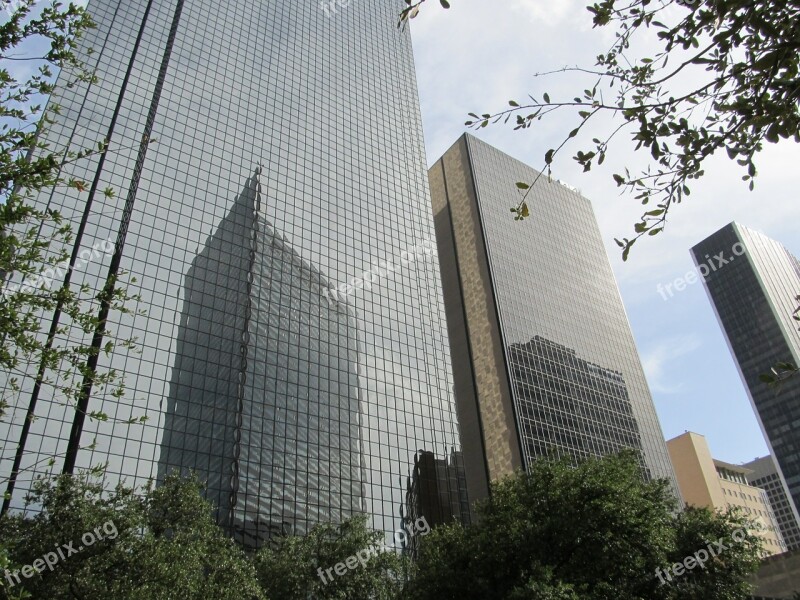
(566, 402)
(294, 407)
(783, 510)
(753, 295)
(731, 475)
(755, 504)
(766, 477)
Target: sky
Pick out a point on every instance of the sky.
(477, 56)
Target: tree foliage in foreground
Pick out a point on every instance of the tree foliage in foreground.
(27, 166)
(290, 568)
(725, 78)
(592, 532)
(166, 545)
(162, 543)
(39, 49)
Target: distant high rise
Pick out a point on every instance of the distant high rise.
(294, 350)
(764, 474)
(543, 353)
(752, 282)
(718, 485)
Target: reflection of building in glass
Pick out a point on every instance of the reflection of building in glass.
(543, 353)
(752, 282)
(244, 369)
(202, 416)
(567, 402)
(437, 491)
(277, 440)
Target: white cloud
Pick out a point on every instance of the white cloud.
(563, 13)
(657, 360)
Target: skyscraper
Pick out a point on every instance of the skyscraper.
(543, 354)
(273, 205)
(752, 282)
(764, 474)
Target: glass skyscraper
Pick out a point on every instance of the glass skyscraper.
(764, 474)
(752, 282)
(272, 203)
(544, 357)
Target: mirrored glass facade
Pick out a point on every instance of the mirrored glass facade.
(587, 405)
(547, 362)
(272, 204)
(752, 282)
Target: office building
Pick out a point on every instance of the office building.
(764, 474)
(543, 353)
(752, 281)
(272, 203)
(709, 483)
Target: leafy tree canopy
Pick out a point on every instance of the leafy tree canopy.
(597, 531)
(155, 545)
(301, 567)
(155, 542)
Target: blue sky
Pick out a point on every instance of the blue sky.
(478, 55)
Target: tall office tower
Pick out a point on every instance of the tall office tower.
(752, 282)
(543, 353)
(273, 204)
(764, 474)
